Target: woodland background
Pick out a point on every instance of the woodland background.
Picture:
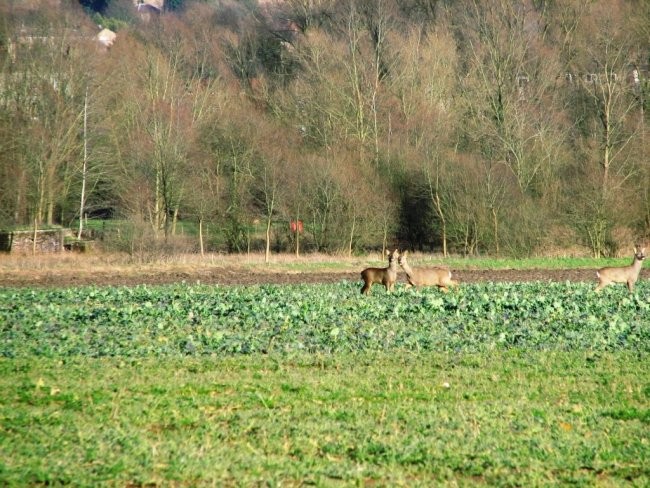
(455, 126)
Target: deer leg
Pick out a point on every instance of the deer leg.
(630, 286)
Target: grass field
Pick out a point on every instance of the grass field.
(511, 384)
(514, 418)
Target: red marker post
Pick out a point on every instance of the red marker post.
(297, 229)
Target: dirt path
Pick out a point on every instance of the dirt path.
(229, 276)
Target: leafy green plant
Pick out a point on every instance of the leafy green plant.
(200, 320)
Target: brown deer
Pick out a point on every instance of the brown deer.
(385, 276)
(440, 277)
(623, 274)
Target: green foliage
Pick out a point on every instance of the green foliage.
(184, 319)
(111, 23)
(235, 233)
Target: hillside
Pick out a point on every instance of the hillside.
(502, 128)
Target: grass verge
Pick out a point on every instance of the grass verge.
(125, 264)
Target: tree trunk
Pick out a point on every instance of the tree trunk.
(19, 214)
(82, 200)
(41, 195)
(267, 250)
(443, 222)
(496, 230)
(174, 221)
(297, 237)
(607, 146)
(34, 237)
(354, 222)
(201, 235)
(50, 211)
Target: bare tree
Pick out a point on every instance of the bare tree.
(508, 91)
(428, 72)
(606, 110)
(268, 192)
(159, 119)
(42, 87)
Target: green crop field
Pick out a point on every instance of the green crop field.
(515, 384)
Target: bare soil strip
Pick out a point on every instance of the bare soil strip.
(229, 276)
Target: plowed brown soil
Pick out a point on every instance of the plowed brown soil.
(229, 276)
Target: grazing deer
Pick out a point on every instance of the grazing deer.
(623, 274)
(385, 276)
(440, 277)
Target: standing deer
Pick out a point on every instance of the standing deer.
(439, 277)
(385, 276)
(623, 274)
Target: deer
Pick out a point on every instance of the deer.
(623, 274)
(440, 277)
(385, 276)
